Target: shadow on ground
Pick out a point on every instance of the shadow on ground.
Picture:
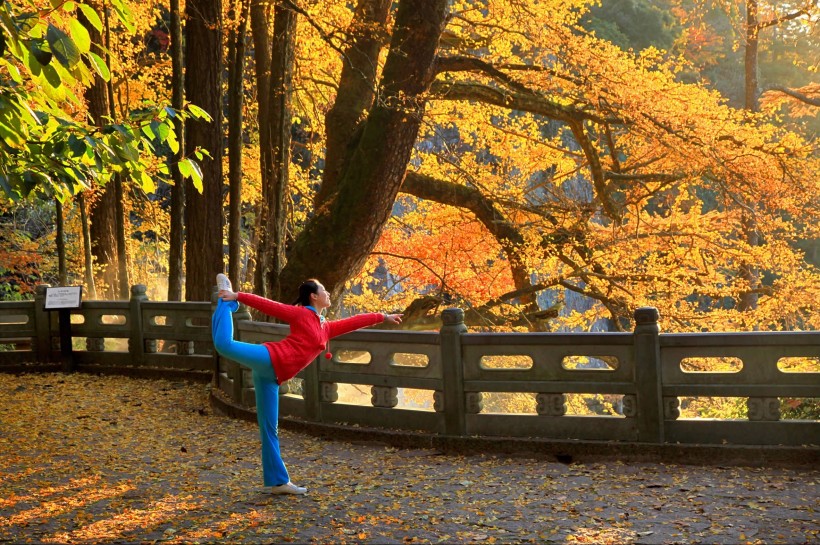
(110, 459)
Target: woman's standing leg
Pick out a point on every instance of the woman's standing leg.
(257, 358)
(274, 472)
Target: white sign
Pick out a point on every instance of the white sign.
(63, 297)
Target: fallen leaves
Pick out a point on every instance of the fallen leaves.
(108, 459)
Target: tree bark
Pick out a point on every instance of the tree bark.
(176, 250)
(103, 212)
(261, 34)
(747, 300)
(236, 92)
(203, 87)
(338, 239)
(88, 258)
(275, 155)
(357, 87)
(60, 242)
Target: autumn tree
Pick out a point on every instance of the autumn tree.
(552, 162)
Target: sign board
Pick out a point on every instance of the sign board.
(63, 297)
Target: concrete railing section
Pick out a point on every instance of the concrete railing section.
(645, 378)
(137, 336)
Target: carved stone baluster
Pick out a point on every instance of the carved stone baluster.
(474, 402)
(384, 396)
(763, 408)
(550, 404)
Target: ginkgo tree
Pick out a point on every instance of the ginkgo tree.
(543, 161)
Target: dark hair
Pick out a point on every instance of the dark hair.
(307, 288)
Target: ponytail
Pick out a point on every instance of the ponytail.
(308, 287)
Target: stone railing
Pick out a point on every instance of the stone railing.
(641, 372)
(136, 337)
(646, 375)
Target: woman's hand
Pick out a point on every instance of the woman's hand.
(393, 318)
(227, 295)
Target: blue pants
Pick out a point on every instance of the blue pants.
(257, 358)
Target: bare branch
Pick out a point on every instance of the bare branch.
(811, 101)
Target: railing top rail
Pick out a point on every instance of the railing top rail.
(14, 305)
(176, 305)
(741, 338)
(547, 338)
(102, 305)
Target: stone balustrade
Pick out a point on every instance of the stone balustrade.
(645, 377)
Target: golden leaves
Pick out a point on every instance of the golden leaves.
(99, 459)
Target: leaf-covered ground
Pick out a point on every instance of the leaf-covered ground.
(110, 459)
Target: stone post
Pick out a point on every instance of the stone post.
(136, 341)
(42, 325)
(648, 376)
(453, 371)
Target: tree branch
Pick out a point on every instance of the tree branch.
(811, 101)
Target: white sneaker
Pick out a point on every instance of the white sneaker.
(222, 283)
(287, 488)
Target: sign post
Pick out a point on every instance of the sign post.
(63, 299)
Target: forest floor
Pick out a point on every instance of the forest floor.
(98, 459)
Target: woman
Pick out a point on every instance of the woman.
(275, 362)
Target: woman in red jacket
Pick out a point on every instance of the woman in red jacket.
(275, 362)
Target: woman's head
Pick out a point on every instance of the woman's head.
(313, 293)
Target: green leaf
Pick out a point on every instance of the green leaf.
(40, 55)
(4, 183)
(124, 15)
(162, 130)
(172, 142)
(92, 16)
(147, 183)
(190, 169)
(80, 36)
(148, 131)
(198, 112)
(63, 47)
(78, 146)
(52, 77)
(99, 66)
(185, 168)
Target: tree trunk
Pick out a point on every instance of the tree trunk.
(203, 87)
(747, 300)
(276, 155)
(176, 249)
(337, 241)
(124, 288)
(88, 258)
(103, 213)
(61, 266)
(357, 86)
(261, 34)
(236, 91)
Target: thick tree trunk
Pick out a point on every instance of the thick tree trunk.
(357, 87)
(338, 239)
(261, 35)
(176, 249)
(203, 87)
(103, 212)
(275, 154)
(236, 91)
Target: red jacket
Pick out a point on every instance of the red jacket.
(308, 335)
